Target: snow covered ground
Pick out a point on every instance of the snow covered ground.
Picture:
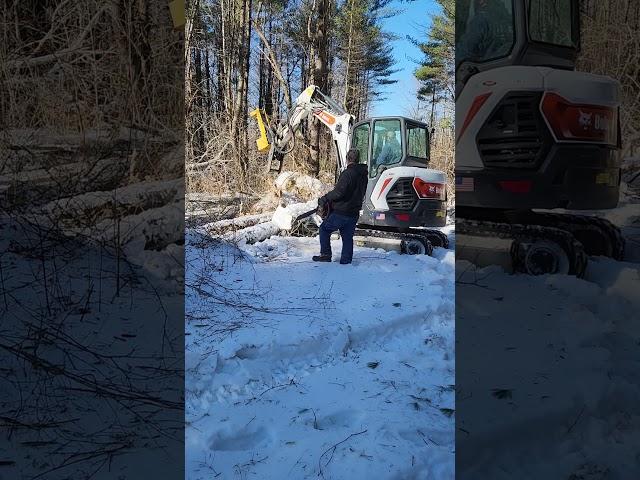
(90, 369)
(548, 378)
(304, 370)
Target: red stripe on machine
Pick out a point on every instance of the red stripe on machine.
(516, 186)
(477, 104)
(384, 185)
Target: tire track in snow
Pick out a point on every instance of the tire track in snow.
(295, 361)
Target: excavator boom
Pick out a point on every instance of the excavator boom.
(311, 102)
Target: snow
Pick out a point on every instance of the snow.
(548, 378)
(566, 351)
(304, 370)
(285, 216)
(91, 345)
(300, 184)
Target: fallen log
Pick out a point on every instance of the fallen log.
(36, 187)
(237, 223)
(254, 234)
(204, 208)
(93, 207)
(284, 219)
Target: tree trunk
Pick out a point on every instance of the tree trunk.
(319, 41)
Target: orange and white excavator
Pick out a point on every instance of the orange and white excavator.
(404, 199)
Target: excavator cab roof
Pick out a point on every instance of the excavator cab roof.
(497, 33)
(398, 117)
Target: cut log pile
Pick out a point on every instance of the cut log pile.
(89, 187)
(294, 196)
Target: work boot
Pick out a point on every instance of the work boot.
(321, 258)
(345, 262)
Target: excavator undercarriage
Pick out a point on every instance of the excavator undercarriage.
(538, 243)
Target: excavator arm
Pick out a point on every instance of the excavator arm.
(311, 102)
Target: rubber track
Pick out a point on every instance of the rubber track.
(436, 237)
(424, 238)
(611, 234)
(527, 233)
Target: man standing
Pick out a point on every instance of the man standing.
(344, 202)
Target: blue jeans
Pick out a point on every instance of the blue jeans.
(347, 227)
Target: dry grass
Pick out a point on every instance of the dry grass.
(79, 67)
(443, 157)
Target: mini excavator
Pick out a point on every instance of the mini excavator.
(533, 135)
(404, 198)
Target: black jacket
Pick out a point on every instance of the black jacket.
(347, 196)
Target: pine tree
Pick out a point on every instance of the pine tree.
(437, 69)
(365, 52)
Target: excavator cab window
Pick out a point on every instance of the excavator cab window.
(360, 141)
(417, 142)
(387, 146)
(552, 22)
(484, 30)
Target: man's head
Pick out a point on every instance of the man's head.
(390, 135)
(353, 156)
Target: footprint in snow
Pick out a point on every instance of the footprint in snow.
(245, 438)
(338, 419)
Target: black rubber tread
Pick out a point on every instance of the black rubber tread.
(526, 233)
(422, 237)
(610, 234)
(437, 238)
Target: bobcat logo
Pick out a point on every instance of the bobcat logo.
(585, 120)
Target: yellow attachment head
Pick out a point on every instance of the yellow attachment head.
(178, 15)
(262, 142)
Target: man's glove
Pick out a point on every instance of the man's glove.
(323, 208)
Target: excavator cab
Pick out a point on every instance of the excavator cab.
(391, 141)
(495, 33)
(402, 192)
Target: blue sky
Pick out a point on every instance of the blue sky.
(414, 20)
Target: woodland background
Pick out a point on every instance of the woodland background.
(243, 54)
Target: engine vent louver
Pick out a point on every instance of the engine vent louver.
(402, 195)
(514, 135)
